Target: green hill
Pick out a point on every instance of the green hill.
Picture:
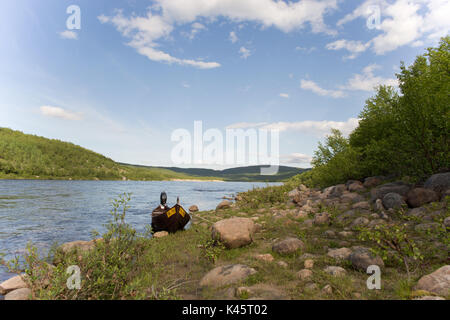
(25, 156)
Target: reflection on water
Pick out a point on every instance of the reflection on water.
(45, 212)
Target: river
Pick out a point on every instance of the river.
(44, 212)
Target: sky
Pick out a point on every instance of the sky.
(119, 77)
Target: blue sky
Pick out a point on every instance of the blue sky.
(137, 70)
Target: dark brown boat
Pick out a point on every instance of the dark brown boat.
(169, 219)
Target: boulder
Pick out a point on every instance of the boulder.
(304, 274)
(360, 222)
(335, 191)
(379, 205)
(160, 234)
(437, 282)
(439, 182)
(193, 208)
(267, 257)
(288, 246)
(309, 263)
(361, 205)
(234, 232)
(335, 271)
(393, 201)
(339, 254)
(294, 193)
(19, 294)
(398, 187)
(356, 186)
(371, 182)
(419, 196)
(361, 258)
(225, 275)
(225, 204)
(351, 197)
(78, 245)
(322, 218)
(12, 284)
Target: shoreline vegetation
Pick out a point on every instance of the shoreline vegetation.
(378, 198)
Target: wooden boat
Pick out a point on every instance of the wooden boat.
(169, 219)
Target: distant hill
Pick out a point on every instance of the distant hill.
(250, 173)
(26, 156)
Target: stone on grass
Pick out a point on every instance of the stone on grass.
(393, 200)
(225, 204)
(437, 282)
(267, 257)
(335, 271)
(321, 218)
(234, 232)
(439, 182)
(288, 246)
(225, 275)
(339, 254)
(304, 274)
(193, 208)
(419, 196)
(398, 187)
(361, 258)
(19, 294)
(160, 234)
(309, 263)
(13, 283)
(361, 205)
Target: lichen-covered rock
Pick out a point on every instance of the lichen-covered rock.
(267, 257)
(419, 196)
(225, 275)
(304, 274)
(437, 282)
(234, 232)
(322, 218)
(288, 246)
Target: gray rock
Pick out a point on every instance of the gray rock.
(393, 201)
(361, 258)
(361, 205)
(356, 186)
(304, 274)
(437, 282)
(447, 222)
(398, 187)
(351, 197)
(360, 222)
(225, 275)
(379, 205)
(427, 227)
(419, 196)
(439, 182)
(19, 294)
(288, 246)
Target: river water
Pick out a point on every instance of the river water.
(45, 212)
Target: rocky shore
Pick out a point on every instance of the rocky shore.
(310, 245)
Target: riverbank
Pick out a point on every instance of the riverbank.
(278, 243)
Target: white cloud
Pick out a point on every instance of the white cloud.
(245, 53)
(304, 49)
(296, 158)
(316, 128)
(233, 37)
(403, 22)
(57, 112)
(186, 85)
(366, 81)
(67, 34)
(355, 47)
(196, 27)
(146, 32)
(284, 95)
(314, 87)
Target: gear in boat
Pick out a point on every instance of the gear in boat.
(169, 219)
